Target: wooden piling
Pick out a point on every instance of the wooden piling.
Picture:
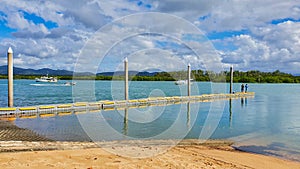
(10, 77)
(126, 78)
(231, 80)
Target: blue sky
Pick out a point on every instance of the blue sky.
(248, 34)
(32, 17)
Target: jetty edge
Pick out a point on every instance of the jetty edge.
(64, 109)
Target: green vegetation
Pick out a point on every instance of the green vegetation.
(252, 76)
(264, 77)
(238, 76)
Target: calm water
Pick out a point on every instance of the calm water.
(269, 123)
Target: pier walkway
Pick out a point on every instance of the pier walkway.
(66, 109)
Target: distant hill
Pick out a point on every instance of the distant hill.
(44, 71)
(51, 72)
(130, 73)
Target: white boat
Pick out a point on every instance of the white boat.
(183, 82)
(70, 83)
(46, 79)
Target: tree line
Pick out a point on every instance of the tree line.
(253, 76)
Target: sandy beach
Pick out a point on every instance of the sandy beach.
(187, 154)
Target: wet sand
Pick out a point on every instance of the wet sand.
(187, 154)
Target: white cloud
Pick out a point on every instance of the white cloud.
(237, 15)
(270, 48)
(22, 59)
(190, 10)
(265, 46)
(118, 8)
(155, 59)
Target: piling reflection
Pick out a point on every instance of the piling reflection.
(230, 113)
(127, 110)
(125, 127)
(188, 115)
(244, 101)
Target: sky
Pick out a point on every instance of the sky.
(96, 35)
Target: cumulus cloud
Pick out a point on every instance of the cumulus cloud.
(134, 33)
(148, 59)
(87, 13)
(238, 15)
(269, 48)
(265, 45)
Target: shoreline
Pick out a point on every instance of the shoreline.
(26, 140)
(189, 153)
(24, 146)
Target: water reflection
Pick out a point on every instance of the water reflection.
(243, 101)
(188, 115)
(174, 121)
(125, 127)
(230, 112)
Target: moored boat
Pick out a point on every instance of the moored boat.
(46, 79)
(70, 83)
(183, 82)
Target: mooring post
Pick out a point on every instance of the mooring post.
(189, 80)
(10, 75)
(231, 80)
(126, 77)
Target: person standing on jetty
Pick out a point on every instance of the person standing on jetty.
(242, 87)
(246, 88)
